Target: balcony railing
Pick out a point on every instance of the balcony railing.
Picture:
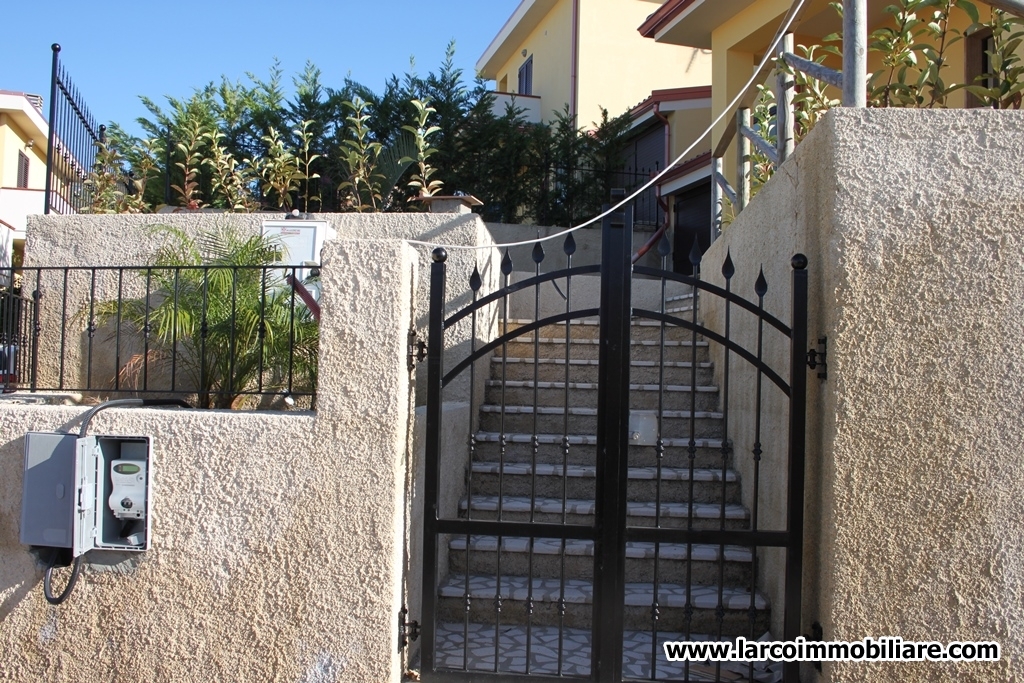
(528, 105)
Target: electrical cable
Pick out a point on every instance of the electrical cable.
(47, 579)
(794, 10)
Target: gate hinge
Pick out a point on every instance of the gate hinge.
(818, 357)
(816, 635)
(417, 350)
(407, 630)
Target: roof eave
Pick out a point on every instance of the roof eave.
(526, 17)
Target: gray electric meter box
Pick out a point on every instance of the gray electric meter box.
(87, 493)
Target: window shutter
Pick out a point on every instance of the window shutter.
(22, 170)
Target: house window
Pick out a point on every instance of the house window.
(526, 77)
(978, 45)
(22, 170)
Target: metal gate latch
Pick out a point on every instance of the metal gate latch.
(417, 350)
(407, 630)
(816, 357)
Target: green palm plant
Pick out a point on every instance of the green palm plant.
(218, 316)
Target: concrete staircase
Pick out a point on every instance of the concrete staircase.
(538, 464)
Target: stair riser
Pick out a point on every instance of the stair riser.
(523, 423)
(735, 622)
(586, 454)
(589, 373)
(556, 518)
(587, 398)
(645, 352)
(582, 567)
(582, 488)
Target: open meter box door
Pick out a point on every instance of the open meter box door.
(87, 493)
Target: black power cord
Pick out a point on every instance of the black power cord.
(76, 569)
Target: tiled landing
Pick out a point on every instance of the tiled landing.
(450, 654)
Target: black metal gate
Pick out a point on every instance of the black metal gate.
(582, 470)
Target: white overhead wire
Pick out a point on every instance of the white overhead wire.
(783, 29)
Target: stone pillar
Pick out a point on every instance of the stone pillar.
(365, 408)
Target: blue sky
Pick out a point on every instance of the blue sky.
(118, 51)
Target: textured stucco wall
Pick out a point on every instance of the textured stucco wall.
(278, 546)
(123, 240)
(915, 508)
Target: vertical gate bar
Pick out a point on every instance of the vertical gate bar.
(664, 249)
(37, 329)
(232, 335)
(569, 247)
(612, 447)
(538, 258)
(291, 332)
(63, 327)
(91, 329)
(467, 601)
(261, 333)
(204, 328)
(797, 455)
(728, 270)
(760, 288)
(174, 333)
(432, 454)
(146, 331)
(691, 449)
(506, 271)
(51, 132)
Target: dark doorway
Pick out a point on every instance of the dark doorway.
(693, 221)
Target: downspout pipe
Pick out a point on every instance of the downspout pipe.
(574, 64)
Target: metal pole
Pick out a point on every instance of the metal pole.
(855, 53)
(716, 199)
(435, 373)
(797, 458)
(49, 128)
(786, 142)
(743, 167)
(612, 446)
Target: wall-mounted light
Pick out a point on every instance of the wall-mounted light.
(524, 52)
(30, 144)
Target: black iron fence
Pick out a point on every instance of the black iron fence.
(72, 144)
(220, 336)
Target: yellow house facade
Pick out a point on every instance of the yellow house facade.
(738, 32)
(582, 56)
(23, 133)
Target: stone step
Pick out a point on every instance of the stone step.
(680, 297)
(518, 447)
(522, 418)
(516, 593)
(472, 647)
(587, 370)
(578, 560)
(589, 328)
(581, 511)
(552, 345)
(517, 480)
(643, 396)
